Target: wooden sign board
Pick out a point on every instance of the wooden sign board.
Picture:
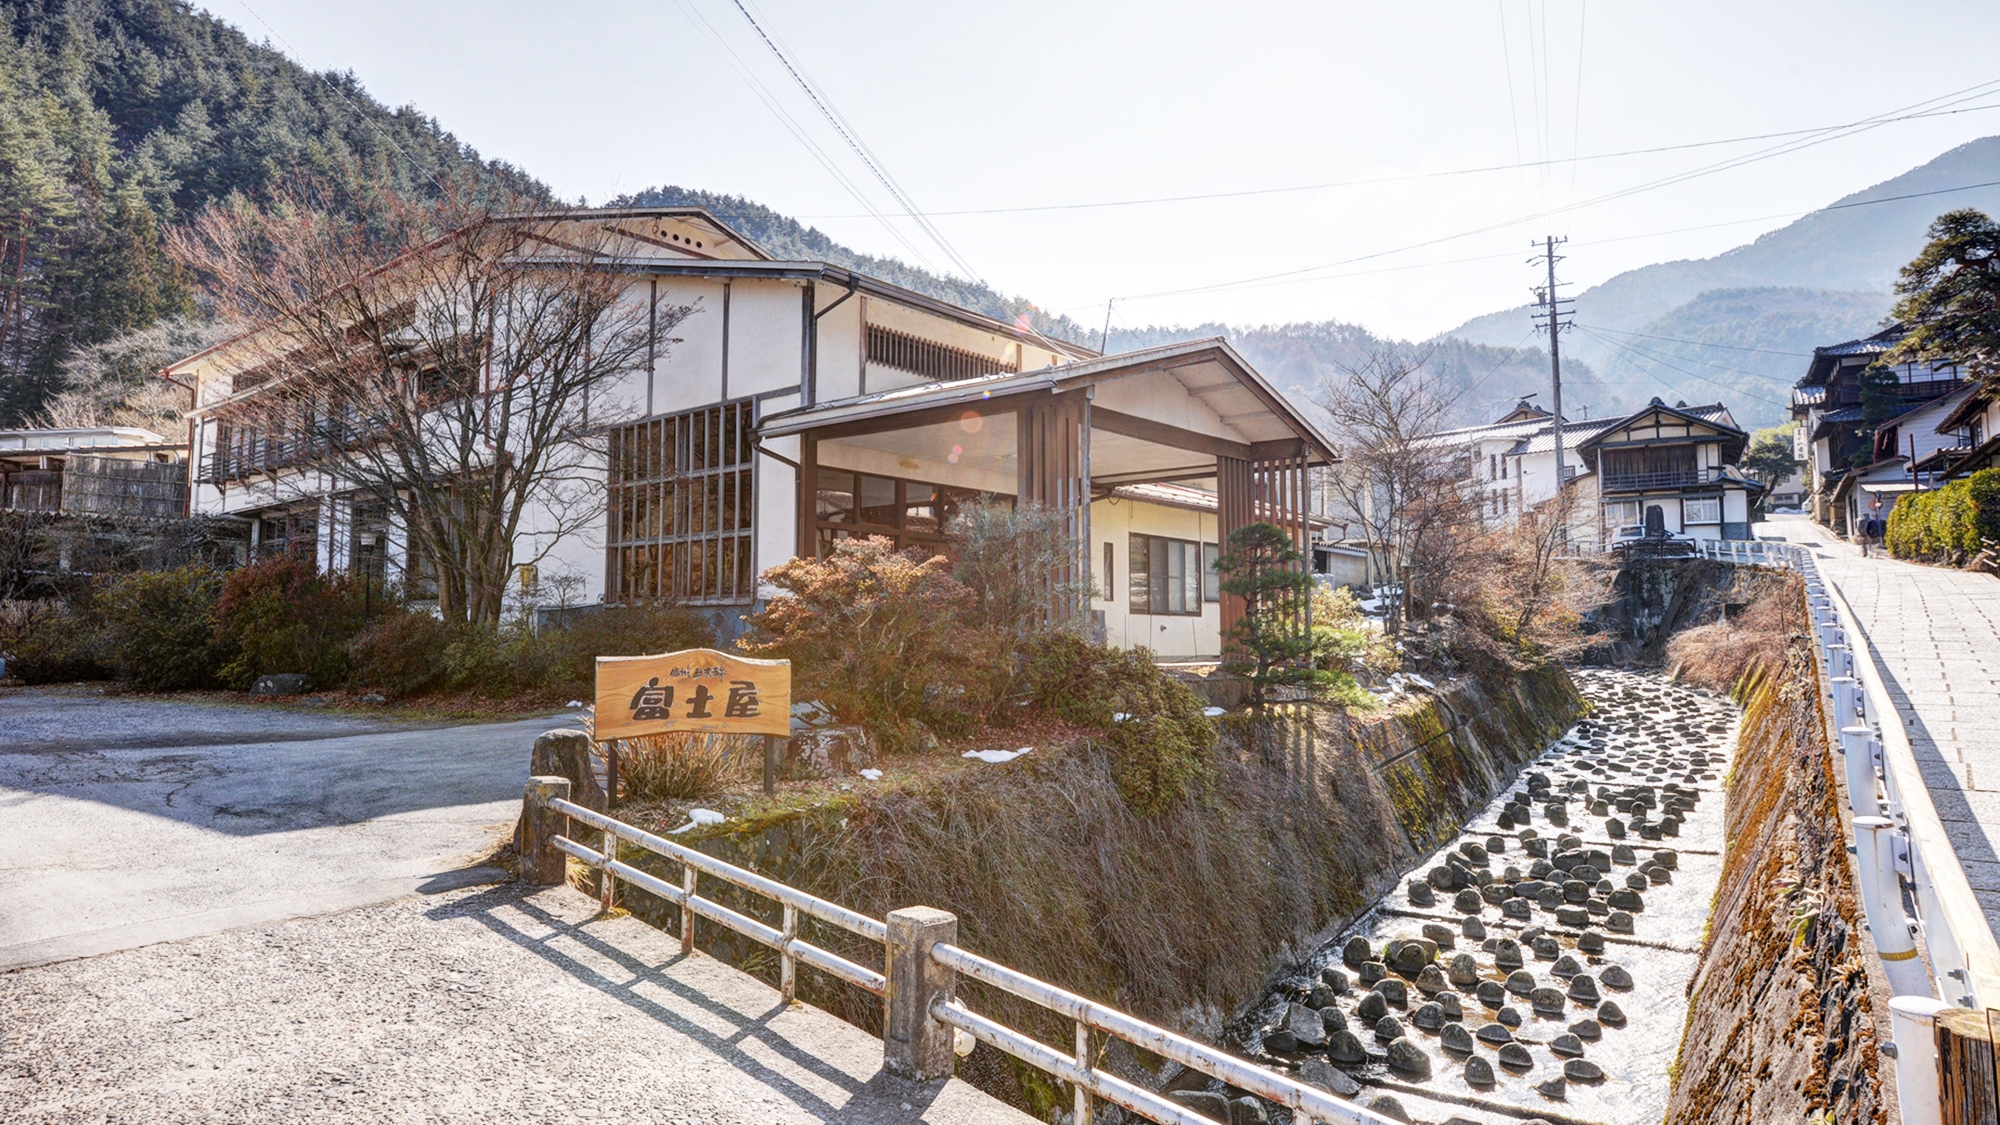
(699, 689)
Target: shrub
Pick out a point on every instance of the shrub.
(1269, 643)
(884, 639)
(48, 642)
(564, 660)
(1949, 523)
(404, 654)
(159, 627)
(282, 615)
(1162, 751)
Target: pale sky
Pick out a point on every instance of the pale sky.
(1035, 104)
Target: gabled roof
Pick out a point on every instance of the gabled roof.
(1827, 360)
(1975, 401)
(1277, 411)
(1711, 415)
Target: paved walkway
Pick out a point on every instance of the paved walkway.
(489, 1004)
(126, 820)
(1935, 633)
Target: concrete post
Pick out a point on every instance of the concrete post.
(541, 864)
(1846, 701)
(917, 1048)
(1914, 1020)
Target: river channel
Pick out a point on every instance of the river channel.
(1536, 966)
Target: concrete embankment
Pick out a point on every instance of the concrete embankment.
(1177, 916)
(1788, 1007)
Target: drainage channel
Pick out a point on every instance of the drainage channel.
(1536, 966)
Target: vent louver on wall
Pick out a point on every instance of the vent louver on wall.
(929, 359)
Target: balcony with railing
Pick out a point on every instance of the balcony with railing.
(1644, 480)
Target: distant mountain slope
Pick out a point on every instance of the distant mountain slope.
(1300, 358)
(786, 238)
(1826, 275)
(1747, 346)
(119, 118)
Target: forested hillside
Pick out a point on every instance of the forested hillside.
(119, 118)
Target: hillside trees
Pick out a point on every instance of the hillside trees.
(1771, 457)
(119, 119)
(457, 388)
(1950, 297)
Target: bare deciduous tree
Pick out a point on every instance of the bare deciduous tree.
(448, 366)
(1535, 590)
(1396, 481)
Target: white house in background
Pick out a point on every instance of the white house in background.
(1677, 460)
(1910, 453)
(803, 403)
(1508, 467)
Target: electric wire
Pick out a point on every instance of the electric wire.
(1639, 362)
(861, 151)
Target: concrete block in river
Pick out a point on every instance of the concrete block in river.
(1306, 1026)
(1547, 1001)
(1507, 954)
(1555, 1089)
(1356, 951)
(1567, 1045)
(1575, 917)
(1520, 982)
(1464, 971)
(1440, 935)
(1478, 1072)
(1373, 1007)
(1618, 922)
(1371, 971)
(1430, 981)
(1388, 1029)
(1345, 1047)
(1491, 993)
(1615, 976)
(1587, 1029)
(1583, 989)
(1333, 1018)
(1407, 1058)
(1430, 1017)
(1583, 1070)
(1420, 894)
(1454, 1038)
(1394, 991)
(1495, 1033)
(1334, 979)
(1468, 902)
(1513, 1056)
(1516, 908)
(1323, 1074)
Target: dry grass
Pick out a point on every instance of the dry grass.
(1716, 656)
(683, 766)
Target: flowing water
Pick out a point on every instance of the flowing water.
(1633, 793)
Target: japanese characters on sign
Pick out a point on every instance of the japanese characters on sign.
(696, 690)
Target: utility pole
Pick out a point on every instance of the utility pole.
(1551, 314)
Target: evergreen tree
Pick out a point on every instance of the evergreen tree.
(1950, 297)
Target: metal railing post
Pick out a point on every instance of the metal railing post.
(690, 882)
(788, 962)
(1082, 1116)
(916, 1047)
(607, 883)
(1882, 903)
(542, 865)
(1861, 798)
(1913, 1020)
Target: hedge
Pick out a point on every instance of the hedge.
(1947, 525)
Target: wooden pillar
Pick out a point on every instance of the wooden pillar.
(808, 547)
(1968, 1091)
(1234, 511)
(1052, 469)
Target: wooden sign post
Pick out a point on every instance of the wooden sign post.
(698, 689)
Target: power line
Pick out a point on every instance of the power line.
(798, 131)
(867, 157)
(1483, 169)
(366, 119)
(1726, 165)
(1697, 343)
(1649, 373)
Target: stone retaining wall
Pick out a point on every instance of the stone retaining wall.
(1788, 1005)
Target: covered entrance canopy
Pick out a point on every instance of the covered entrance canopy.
(1063, 436)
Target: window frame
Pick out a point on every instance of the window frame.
(681, 509)
(1687, 518)
(1145, 588)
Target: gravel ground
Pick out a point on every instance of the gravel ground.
(481, 1005)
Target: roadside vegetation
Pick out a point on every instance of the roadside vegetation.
(1954, 525)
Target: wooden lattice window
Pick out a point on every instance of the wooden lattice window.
(928, 358)
(683, 494)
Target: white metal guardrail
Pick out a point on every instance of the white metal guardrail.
(1903, 858)
(921, 1012)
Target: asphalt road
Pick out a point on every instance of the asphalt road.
(126, 820)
